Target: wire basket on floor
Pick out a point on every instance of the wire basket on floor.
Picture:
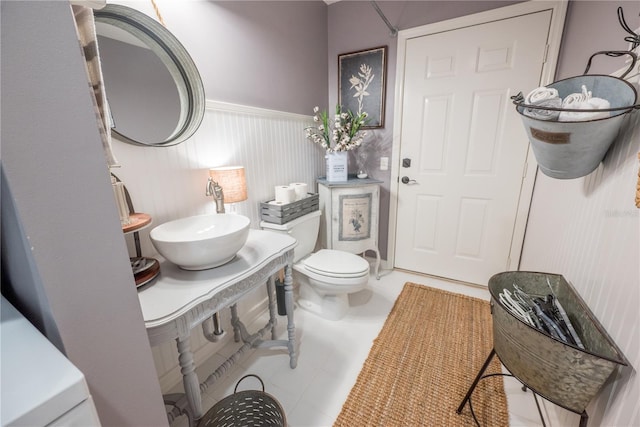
(245, 408)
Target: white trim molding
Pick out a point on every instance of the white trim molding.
(246, 109)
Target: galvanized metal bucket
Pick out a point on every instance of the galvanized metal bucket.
(569, 150)
(560, 372)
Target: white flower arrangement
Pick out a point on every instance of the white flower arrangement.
(345, 134)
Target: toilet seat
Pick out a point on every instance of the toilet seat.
(336, 264)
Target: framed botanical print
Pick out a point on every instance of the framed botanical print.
(355, 217)
(362, 83)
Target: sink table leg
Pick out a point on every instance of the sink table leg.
(271, 289)
(235, 322)
(291, 327)
(189, 376)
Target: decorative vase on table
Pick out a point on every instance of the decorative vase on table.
(337, 166)
(337, 136)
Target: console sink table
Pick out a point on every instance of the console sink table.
(180, 300)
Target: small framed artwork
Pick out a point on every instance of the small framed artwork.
(362, 82)
(355, 217)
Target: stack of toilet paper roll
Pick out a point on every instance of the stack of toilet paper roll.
(286, 194)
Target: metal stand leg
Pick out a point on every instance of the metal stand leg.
(136, 242)
(584, 419)
(475, 382)
(535, 398)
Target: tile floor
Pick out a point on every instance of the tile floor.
(331, 356)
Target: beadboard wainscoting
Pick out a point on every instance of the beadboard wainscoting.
(169, 183)
(588, 230)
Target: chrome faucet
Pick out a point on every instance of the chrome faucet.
(214, 189)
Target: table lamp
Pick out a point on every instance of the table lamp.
(227, 184)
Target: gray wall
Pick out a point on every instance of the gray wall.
(592, 26)
(269, 54)
(67, 265)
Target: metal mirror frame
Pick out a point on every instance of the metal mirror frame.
(177, 60)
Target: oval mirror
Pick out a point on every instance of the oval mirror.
(153, 87)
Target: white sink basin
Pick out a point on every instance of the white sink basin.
(201, 242)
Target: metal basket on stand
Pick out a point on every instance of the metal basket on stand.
(244, 409)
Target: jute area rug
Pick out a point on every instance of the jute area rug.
(420, 367)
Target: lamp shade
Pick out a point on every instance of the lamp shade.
(232, 181)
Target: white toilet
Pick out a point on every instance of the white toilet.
(327, 277)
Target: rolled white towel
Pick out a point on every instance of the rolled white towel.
(576, 116)
(543, 97)
(541, 94)
(583, 101)
(573, 99)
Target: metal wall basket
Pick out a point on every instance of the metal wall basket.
(569, 150)
(245, 408)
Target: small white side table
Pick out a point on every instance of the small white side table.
(350, 212)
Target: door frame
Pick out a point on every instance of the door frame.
(559, 11)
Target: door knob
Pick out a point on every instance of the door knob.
(406, 180)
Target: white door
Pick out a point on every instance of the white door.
(466, 145)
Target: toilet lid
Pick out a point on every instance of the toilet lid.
(332, 263)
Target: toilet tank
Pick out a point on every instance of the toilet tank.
(304, 229)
